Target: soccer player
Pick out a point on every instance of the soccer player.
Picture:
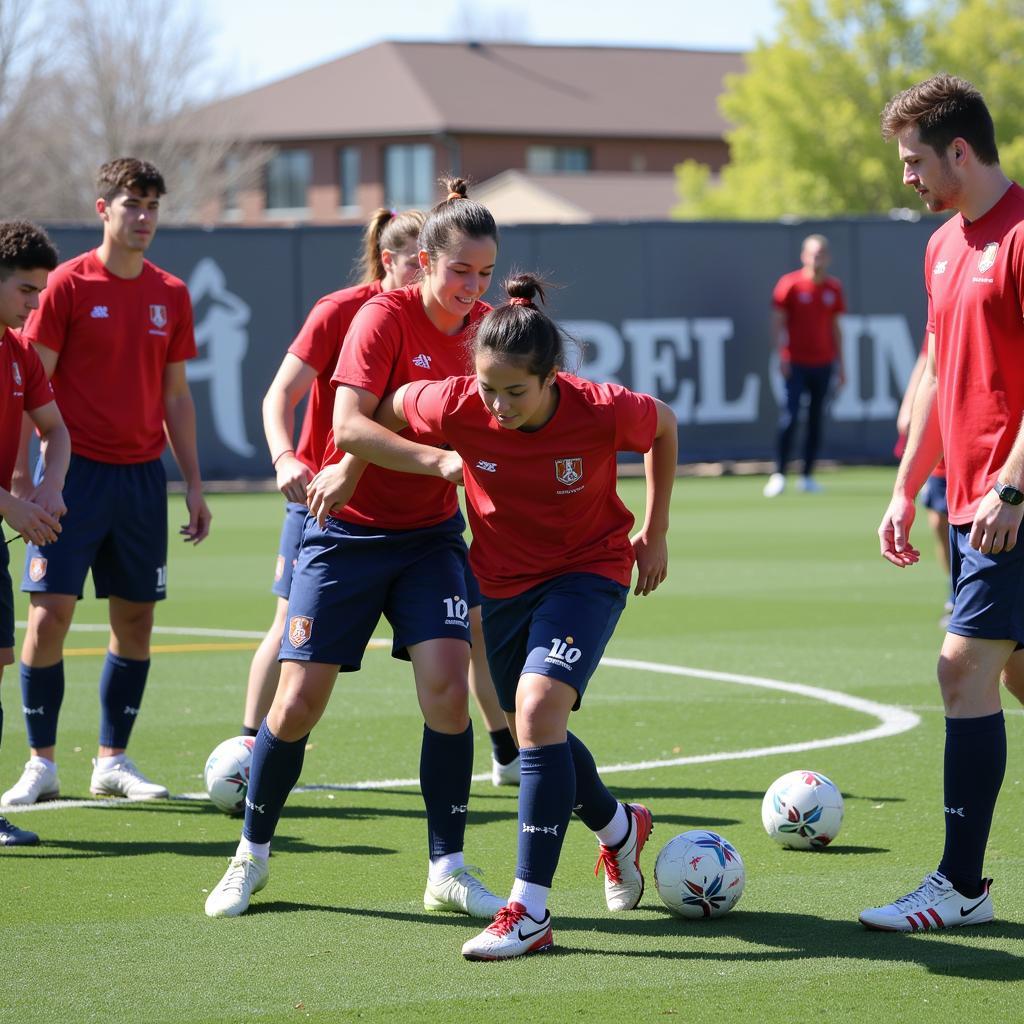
(969, 408)
(26, 259)
(385, 543)
(113, 331)
(805, 325)
(552, 550)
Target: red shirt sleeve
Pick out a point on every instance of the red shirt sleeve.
(780, 294)
(38, 390)
(424, 406)
(183, 345)
(636, 420)
(370, 350)
(318, 341)
(48, 325)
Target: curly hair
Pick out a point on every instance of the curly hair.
(24, 246)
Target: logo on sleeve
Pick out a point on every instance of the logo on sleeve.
(100, 313)
(568, 471)
(940, 267)
(988, 257)
(300, 628)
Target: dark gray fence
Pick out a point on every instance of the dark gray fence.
(680, 311)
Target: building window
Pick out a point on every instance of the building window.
(348, 177)
(557, 159)
(288, 177)
(409, 175)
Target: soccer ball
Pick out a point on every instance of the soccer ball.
(227, 773)
(699, 874)
(802, 810)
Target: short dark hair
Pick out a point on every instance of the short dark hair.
(520, 330)
(24, 246)
(130, 173)
(943, 108)
(457, 213)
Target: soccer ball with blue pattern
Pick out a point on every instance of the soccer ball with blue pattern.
(699, 874)
(802, 810)
(227, 774)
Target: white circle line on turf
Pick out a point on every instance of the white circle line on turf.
(892, 721)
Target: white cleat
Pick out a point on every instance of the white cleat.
(933, 904)
(775, 486)
(623, 879)
(505, 774)
(245, 876)
(124, 779)
(38, 782)
(462, 893)
(512, 933)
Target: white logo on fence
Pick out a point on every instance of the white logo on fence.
(222, 338)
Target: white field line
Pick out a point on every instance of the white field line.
(892, 721)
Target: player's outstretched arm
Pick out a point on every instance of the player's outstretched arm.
(650, 544)
(56, 449)
(291, 382)
(180, 426)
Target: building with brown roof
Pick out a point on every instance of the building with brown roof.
(379, 126)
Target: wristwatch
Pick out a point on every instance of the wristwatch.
(1008, 494)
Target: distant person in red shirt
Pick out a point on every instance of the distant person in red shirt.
(383, 543)
(805, 327)
(113, 332)
(26, 259)
(554, 555)
(968, 409)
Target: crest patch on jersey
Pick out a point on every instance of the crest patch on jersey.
(158, 316)
(300, 628)
(568, 471)
(36, 569)
(988, 257)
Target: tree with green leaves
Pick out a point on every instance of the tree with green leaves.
(805, 140)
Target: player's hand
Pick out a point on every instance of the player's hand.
(33, 522)
(449, 466)
(49, 497)
(331, 488)
(293, 476)
(995, 526)
(651, 552)
(199, 517)
(894, 533)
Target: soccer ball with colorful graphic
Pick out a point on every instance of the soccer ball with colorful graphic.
(699, 874)
(227, 773)
(802, 810)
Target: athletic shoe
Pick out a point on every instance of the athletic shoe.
(809, 485)
(623, 879)
(123, 779)
(245, 876)
(11, 835)
(775, 486)
(933, 904)
(512, 933)
(462, 893)
(505, 774)
(38, 782)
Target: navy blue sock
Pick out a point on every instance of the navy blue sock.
(122, 683)
(546, 787)
(248, 730)
(276, 766)
(594, 806)
(975, 762)
(42, 692)
(503, 746)
(446, 771)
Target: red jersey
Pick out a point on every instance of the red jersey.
(318, 345)
(541, 503)
(811, 309)
(974, 273)
(23, 387)
(390, 343)
(115, 337)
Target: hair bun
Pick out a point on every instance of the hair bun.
(523, 289)
(458, 188)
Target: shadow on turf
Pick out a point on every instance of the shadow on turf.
(75, 849)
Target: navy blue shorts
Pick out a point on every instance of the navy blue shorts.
(288, 547)
(6, 600)
(933, 495)
(116, 525)
(988, 599)
(557, 629)
(472, 587)
(347, 576)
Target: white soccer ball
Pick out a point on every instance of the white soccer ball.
(699, 874)
(227, 773)
(802, 810)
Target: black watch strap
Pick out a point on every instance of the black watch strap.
(1008, 494)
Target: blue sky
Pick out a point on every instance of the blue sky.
(257, 42)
